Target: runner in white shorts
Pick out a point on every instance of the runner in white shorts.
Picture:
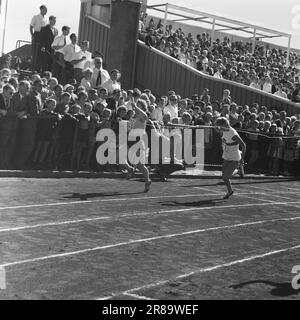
(139, 128)
(232, 155)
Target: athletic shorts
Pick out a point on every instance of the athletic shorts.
(229, 167)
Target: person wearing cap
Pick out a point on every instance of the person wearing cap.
(113, 84)
(37, 22)
(100, 75)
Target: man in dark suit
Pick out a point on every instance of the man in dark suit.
(28, 126)
(46, 38)
(5, 104)
(5, 99)
(113, 102)
(37, 22)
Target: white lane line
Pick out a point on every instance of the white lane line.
(208, 269)
(106, 298)
(137, 296)
(207, 190)
(141, 214)
(294, 189)
(118, 199)
(130, 242)
(266, 190)
(41, 225)
(101, 200)
(252, 198)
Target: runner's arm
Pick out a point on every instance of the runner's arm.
(239, 141)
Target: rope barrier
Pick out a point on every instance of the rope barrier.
(183, 126)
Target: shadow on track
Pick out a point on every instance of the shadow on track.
(279, 289)
(86, 196)
(200, 203)
(237, 183)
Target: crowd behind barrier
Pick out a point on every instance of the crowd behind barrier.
(265, 68)
(47, 126)
(49, 119)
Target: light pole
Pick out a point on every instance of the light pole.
(4, 28)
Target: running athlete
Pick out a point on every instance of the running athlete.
(139, 126)
(232, 155)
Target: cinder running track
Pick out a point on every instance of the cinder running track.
(105, 239)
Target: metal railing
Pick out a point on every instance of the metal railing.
(18, 43)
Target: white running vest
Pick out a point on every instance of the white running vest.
(230, 153)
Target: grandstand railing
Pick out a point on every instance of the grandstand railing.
(160, 73)
(19, 42)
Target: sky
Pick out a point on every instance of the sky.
(280, 15)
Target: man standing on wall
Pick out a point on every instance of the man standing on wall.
(58, 58)
(47, 36)
(37, 23)
(69, 52)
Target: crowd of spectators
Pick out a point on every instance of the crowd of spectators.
(49, 119)
(265, 69)
(39, 118)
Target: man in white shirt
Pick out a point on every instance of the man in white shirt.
(112, 84)
(255, 83)
(267, 86)
(79, 62)
(58, 59)
(37, 22)
(157, 113)
(69, 52)
(280, 93)
(172, 107)
(218, 74)
(100, 75)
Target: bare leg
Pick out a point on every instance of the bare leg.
(228, 185)
(228, 169)
(146, 175)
